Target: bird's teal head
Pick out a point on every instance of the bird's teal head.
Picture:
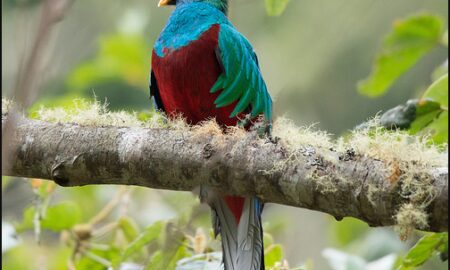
(222, 5)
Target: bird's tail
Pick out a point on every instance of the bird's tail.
(238, 220)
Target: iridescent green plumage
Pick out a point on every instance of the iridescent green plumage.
(241, 80)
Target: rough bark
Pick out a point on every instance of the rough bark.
(340, 184)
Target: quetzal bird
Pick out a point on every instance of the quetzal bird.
(203, 68)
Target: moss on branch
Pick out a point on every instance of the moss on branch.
(382, 177)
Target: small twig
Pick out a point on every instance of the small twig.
(97, 258)
(105, 229)
(109, 207)
(41, 204)
(126, 198)
(75, 252)
(96, 246)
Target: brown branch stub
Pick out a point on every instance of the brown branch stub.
(340, 183)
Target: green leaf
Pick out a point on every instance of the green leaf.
(129, 228)
(61, 216)
(430, 119)
(168, 258)
(275, 7)
(57, 217)
(439, 128)
(347, 230)
(27, 220)
(434, 120)
(5, 181)
(423, 249)
(25, 256)
(267, 239)
(440, 71)
(180, 254)
(438, 91)
(157, 259)
(273, 254)
(409, 40)
(444, 39)
(173, 249)
(426, 112)
(149, 235)
(98, 259)
(443, 249)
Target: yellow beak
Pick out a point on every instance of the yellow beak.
(163, 3)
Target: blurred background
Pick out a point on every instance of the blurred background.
(312, 57)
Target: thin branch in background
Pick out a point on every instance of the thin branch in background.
(82, 234)
(29, 74)
(109, 207)
(126, 198)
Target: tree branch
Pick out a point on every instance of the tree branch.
(341, 184)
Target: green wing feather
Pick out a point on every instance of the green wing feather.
(242, 80)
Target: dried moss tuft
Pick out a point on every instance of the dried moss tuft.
(293, 136)
(409, 161)
(410, 217)
(6, 105)
(206, 129)
(89, 114)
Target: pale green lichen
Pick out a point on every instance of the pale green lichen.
(409, 159)
(89, 114)
(325, 184)
(6, 105)
(394, 146)
(409, 162)
(408, 218)
(293, 136)
(372, 192)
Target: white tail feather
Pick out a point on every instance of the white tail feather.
(242, 243)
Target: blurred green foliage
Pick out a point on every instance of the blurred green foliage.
(424, 249)
(20, 3)
(120, 56)
(275, 7)
(98, 244)
(438, 91)
(435, 121)
(409, 40)
(51, 219)
(347, 230)
(116, 74)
